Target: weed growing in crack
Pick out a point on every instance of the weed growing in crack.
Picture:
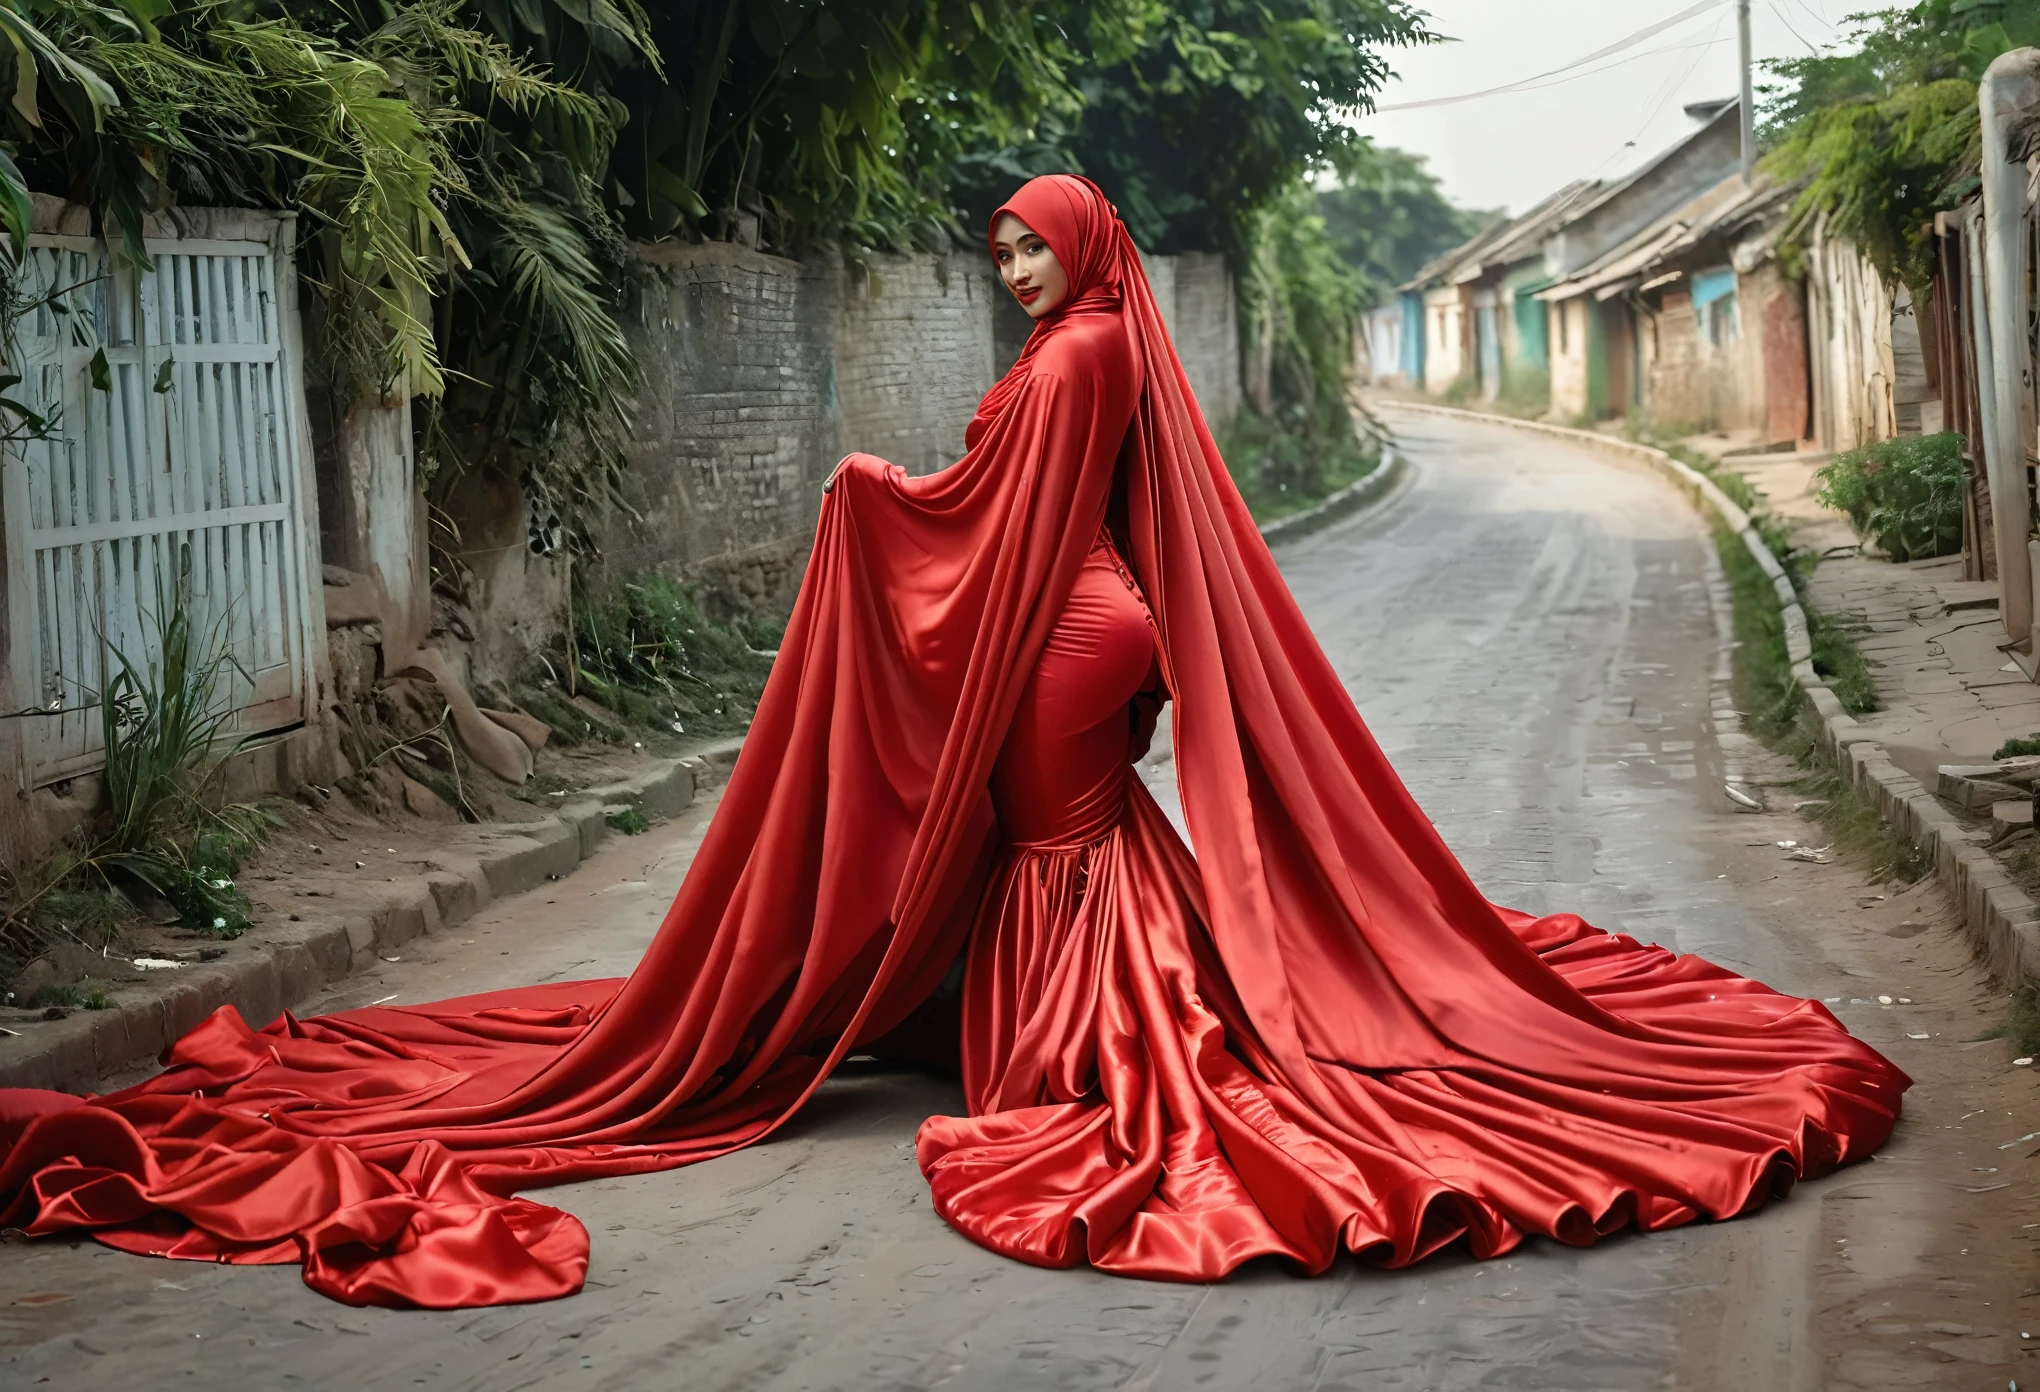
(1777, 712)
(629, 821)
(2021, 1024)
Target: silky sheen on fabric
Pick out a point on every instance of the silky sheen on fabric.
(1313, 1034)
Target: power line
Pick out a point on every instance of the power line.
(1655, 103)
(1622, 63)
(1538, 78)
(1787, 22)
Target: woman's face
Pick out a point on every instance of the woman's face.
(1028, 267)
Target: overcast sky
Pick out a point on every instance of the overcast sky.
(1511, 150)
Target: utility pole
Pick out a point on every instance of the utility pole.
(1749, 115)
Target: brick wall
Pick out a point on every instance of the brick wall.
(1206, 330)
(760, 373)
(736, 423)
(1675, 392)
(1695, 383)
(913, 355)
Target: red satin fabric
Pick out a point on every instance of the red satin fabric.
(1314, 1033)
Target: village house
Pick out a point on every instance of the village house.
(1595, 348)
(1691, 322)
(1499, 317)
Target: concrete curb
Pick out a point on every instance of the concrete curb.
(2003, 922)
(263, 978)
(1359, 496)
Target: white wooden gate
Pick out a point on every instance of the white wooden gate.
(179, 465)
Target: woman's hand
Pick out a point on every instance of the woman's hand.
(858, 459)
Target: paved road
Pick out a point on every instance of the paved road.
(1535, 634)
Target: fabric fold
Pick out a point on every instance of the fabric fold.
(1313, 1033)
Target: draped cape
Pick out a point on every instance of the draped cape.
(383, 1148)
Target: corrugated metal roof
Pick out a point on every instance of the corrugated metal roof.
(1508, 241)
(1720, 210)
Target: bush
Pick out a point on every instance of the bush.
(648, 653)
(1903, 495)
(1281, 465)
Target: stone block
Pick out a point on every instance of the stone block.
(516, 864)
(1973, 787)
(457, 896)
(2006, 817)
(404, 918)
(590, 824)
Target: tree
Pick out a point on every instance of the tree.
(1387, 216)
(1886, 134)
(1224, 104)
(1206, 111)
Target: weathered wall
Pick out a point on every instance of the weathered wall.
(518, 599)
(1787, 402)
(913, 355)
(761, 373)
(1444, 338)
(736, 425)
(1848, 331)
(1695, 383)
(1206, 330)
(1568, 344)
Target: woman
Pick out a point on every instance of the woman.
(1316, 1033)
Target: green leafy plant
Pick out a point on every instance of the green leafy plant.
(1883, 130)
(163, 721)
(1295, 442)
(1905, 495)
(629, 821)
(1281, 468)
(648, 653)
(1387, 216)
(1216, 110)
(164, 710)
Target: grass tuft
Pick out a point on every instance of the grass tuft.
(630, 821)
(163, 718)
(2021, 1023)
(648, 653)
(1777, 712)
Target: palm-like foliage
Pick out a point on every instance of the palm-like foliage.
(542, 369)
(470, 168)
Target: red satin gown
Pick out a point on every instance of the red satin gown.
(1113, 1118)
(1316, 1034)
